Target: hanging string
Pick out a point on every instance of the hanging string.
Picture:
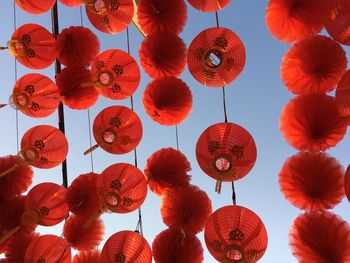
(233, 193)
(224, 103)
(177, 138)
(16, 76)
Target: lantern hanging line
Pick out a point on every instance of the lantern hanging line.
(16, 73)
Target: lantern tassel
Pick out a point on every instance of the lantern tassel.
(219, 184)
(91, 149)
(3, 48)
(9, 234)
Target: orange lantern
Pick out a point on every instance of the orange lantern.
(117, 130)
(216, 57)
(126, 246)
(33, 46)
(72, 3)
(226, 152)
(167, 100)
(300, 179)
(35, 7)
(110, 16)
(235, 234)
(347, 183)
(35, 95)
(115, 74)
(342, 96)
(92, 256)
(209, 5)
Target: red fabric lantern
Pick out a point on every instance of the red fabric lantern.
(312, 123)
(35, 7)
(77, 46)
(163, 54)
(117, 129)
(45, 205)
(110, 16)
(313, 65)
(126, 246)
(171, 246)
(48, 249)
(235, 234)
(166, 169)
(187, 209)
(44, 146)
(92, 256)
(35, 95)
(76, 89)
(338, 23)
(293, 20)
(115, 74)
(226, 152)
(167, 100)
(82, 195)
(347, 183)
(216, 57)
(300, 179)
(162, 15)
(17, 246)
(320, 237)
(123, 188)
(209, 5)
(15, 182)
(33, 46)
(342, 96)
(72, 3)
(82, 235)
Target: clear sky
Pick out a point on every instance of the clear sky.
(254, 101)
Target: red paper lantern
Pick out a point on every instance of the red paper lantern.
(35, 7)
(342, 96)
(76, 89)
(48, 249)
(35, 95)
(72, 3)
(123, 188)
(300, 179)
(209, 5)
(347, 183)
(110, 16)
(115, 74)
(216, 57)
(166, 169)
(313, 65)
(92, 256)
(167, 100)
(187, 209)
(320, 237)
(226, 152)
(293, 20)
(77, 46)
(235, 234)
(172, 246)
(17, 246)
(162, 15)
(117, 129)
(126, 246)
(163, 54)
(312, 123)
(33, 46)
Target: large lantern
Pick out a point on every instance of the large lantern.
(35, 7)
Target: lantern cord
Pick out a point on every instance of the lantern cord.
(177, 137)
(81, 16)
(55, 32)
(217, 19)
(16, 76)
(224, 103)
(233, 194)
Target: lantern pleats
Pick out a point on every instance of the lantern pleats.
(216, 57)
(166, 169)
(313, 65)
(209, 5)
(126, 246)
(35, 7)
(347, 183)
(171, 246)
(163, 54)
(300, 179)
(72, 3)
(312, 123)
(167, 100)
(320, 237)
(342, 96)
(92, 256)
(17, 246)
(235, 232)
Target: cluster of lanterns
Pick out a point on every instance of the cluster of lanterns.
(313, 121)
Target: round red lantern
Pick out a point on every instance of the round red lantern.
(216, 57)
(342, 96)
(235, 234)
(115, 74)
(17, 246)
(35, 7)
(209, 5)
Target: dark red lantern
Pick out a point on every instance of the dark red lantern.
(115, 74)
(33, 46)
(166, 169)
(300, 179)
(35, 7)
(342, 96)
(312, 123)
(110, 16)
(209, 5)
(17, 246)
(235, 234)
(313, 65)
(167, 100)
(163, 54)
(72, 3)
(347, 183)
(126, 246)
(92, 256)
(162, 15)
(226, 152)
(216, 57)
(35, 95)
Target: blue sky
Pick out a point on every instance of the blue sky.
(254, 101)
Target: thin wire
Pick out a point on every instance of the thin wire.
(224, 103)
(81, 16)
(16, 76)
(217, 19)
(177, 137)
(233, 193)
